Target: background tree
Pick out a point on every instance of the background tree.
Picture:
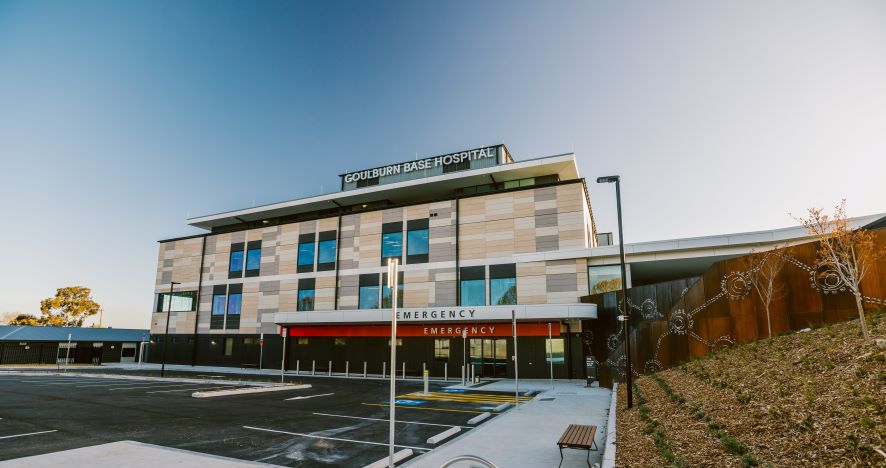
(763, 271)
(69, 308)
(24, 319)
(846, 252)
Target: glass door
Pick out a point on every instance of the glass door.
(489, 356)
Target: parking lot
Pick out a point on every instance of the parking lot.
(337, 422)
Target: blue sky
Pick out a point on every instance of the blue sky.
(120, 119)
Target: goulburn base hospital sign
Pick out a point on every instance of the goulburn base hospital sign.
(421, 164)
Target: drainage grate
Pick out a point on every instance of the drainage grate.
(546, 399)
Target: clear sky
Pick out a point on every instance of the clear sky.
(118, 120)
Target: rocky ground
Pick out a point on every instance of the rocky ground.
(812, 399)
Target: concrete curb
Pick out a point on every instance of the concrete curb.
(479, 418)
(609, 448)
(405, 453)
(143, 378)
(242, 391)
(444, 435)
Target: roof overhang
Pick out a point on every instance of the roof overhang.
(429, 188)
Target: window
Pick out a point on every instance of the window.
(305, 294)
(604, 278)
(457, 166)
(229, 346)
(519, 183)
(441, 349)
(183, 301)
(369, 289)
(249, 341)
(399, 342)
(235, 302)
(302, 341)
(473, 286)
(367, 182)
(554, 348)
(391, 241)
(235, 265)
(326, 251)
(503, 284)
(386, 293)
(305, 253)
(253, 258)
(417, 241)
(219, 301)
(340, 342)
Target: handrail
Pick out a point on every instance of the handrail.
(472, 458)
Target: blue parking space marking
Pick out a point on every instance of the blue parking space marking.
(408, 402)
(452, 390)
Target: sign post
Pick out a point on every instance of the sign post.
(464, 354)
(261, 349)
(392, 284)
(516, 372)
(283, 359)
(550, 357)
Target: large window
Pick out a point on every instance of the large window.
(235, 265)
(503, 284)
(441, 349)
(182, 301)
(369, 289)
(326, 251)
(253, 258)
(218, 303)
(305, 253)
(391, 241)
(387, 293)
(305, 294)
(554, 351)
(417, 241)
(604, 278)
(473, 286)
(235, 301)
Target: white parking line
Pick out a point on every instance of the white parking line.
(117, 384)
(398, 421)
(151, 386)
(309, 396)
(28, 434)
(189, 389)
(334, 438)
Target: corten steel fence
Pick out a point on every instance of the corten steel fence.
(674, 321)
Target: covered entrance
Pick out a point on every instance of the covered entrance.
(489, 356)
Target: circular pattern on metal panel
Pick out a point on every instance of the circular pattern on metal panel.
(648, 310)
(679, 322)
(826, 280)
(612, 341)
(736, 285)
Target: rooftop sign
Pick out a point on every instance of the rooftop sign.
(421, 164)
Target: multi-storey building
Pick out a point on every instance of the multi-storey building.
(481, 240)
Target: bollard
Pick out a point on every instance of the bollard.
(347, 369)
(473, 373)
(297, 362)
(329, 370)
(424, 367)
(384, 364)
(313, 367)
(404, 370)
(364, 369)
(446, 372)
(426, 382)
(462, 374)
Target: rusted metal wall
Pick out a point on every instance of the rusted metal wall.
(674, 321)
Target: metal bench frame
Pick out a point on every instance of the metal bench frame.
(589, 448)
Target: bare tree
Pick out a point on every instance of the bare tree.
(763, 271)
(845, 252)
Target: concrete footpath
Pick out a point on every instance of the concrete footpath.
(527, 437)
(129, 454)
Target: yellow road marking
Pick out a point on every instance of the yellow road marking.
(420, 408)
(464, 398)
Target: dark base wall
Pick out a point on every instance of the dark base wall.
(36, 352)
(244, 352)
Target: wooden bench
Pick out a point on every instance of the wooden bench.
(579, 437)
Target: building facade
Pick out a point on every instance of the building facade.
(480, 240)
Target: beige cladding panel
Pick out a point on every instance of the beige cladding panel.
(327, 224)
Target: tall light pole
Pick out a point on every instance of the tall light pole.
(166, 336)
(626, 316)
(392, 284)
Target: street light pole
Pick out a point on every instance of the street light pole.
(626, 316)
(166, 336)
(392, 284)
